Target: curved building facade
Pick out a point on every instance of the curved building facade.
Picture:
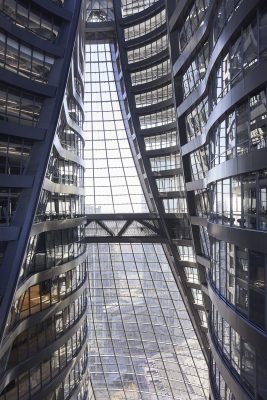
(218, 63)
(145, 60)
(133, 199)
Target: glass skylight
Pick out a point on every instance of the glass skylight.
(141, 341)
(142, 345)
(99, 10)
(111, 181)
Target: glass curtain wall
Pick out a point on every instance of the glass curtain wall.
(141, 341)
(99, 10)
(111, 181)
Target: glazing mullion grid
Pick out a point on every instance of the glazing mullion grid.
(140, 203)
(180, 326)
(165, 321)
(120, 153)
(94, 318)
(148, 308)
(132, 303)
(111, 271)
(87, 113)
(136, 320)
(105, 62)
(144, 299)
(182, 332)
(125, 335)
(119, 147)
(130, 353)
(94, 62)
(130, 7)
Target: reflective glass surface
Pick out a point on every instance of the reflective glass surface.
(24, 60)
(145, 27)
(166, 139)
(129, 7)
(238, 274)
(234, 201)
(163, 117)
(30, 17)
(157, 71)
(239, 353)
(219, 386)
(154, 96)
(99, 10)
(147, 51)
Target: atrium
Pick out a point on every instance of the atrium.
(133, 200)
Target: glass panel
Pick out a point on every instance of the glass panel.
(230, 295)
(231, 136)
(99, 11)
(261, 376)
(237, 201)
(258, 115)
(263, 200)
(111, 183)
(250, 51)
(263, 35)
(147, 51)
(248, 364)
(130, 7)
(227, 219)
(242, 264)
(249, 200)
(141, 340)
(242, 138)
(236, 64)
(242, 297)
(257, 288)
(145, 27)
